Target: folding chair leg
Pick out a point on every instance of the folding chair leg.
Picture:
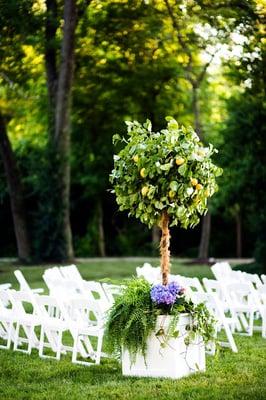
(41, 342)
(263, 332)
(74, 351)
(30, 339)
(99, 349)
(9, 338)
(16, 336)
(210, 346)
(251, 323)
(230, 338)
(59, 345)
(243, 321)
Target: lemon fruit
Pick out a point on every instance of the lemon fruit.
(199, 186)
(193, 181)
(171, 194)
(143, 172)
(144, 191)
(135, 158)
(179, 161)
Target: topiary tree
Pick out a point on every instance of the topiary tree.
(164, 178)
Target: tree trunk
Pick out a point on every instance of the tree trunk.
(101, 239)
(238, 235)
(50, 54)
(164, 248)
(205, 237)
(16, 194)
(62, 120)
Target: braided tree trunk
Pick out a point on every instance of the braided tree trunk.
(164, 247)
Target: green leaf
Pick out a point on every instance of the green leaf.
(174, 186)
(116, 138)
(175, 334)
(182, 169)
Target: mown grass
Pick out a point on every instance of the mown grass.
(228, 376)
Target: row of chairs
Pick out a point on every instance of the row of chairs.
(74, 307)
(79, 308)
(234, 297)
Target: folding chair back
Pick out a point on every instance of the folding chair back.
(193, 284)
(71, 272)
(112, 291)
(252, 278)
(24, 286)
(221, 270)
(151, 274)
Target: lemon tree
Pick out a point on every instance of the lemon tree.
(164, 178)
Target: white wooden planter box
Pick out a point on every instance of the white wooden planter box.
(175, 360)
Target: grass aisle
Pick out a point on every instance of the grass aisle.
(229, 376)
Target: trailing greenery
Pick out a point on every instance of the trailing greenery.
(161, 171)
(133, 316)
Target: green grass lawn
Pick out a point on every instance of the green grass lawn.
(228, 376)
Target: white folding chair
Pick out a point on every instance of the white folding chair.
(86, 326)
(263, 278)
(215, 307)
(213, 286)
(53, 325)
(58, 285)
(26, 320)
(241, 301)
(216, 288)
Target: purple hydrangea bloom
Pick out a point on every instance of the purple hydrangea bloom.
(165, 294)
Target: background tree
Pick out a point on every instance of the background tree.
(13, 77)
